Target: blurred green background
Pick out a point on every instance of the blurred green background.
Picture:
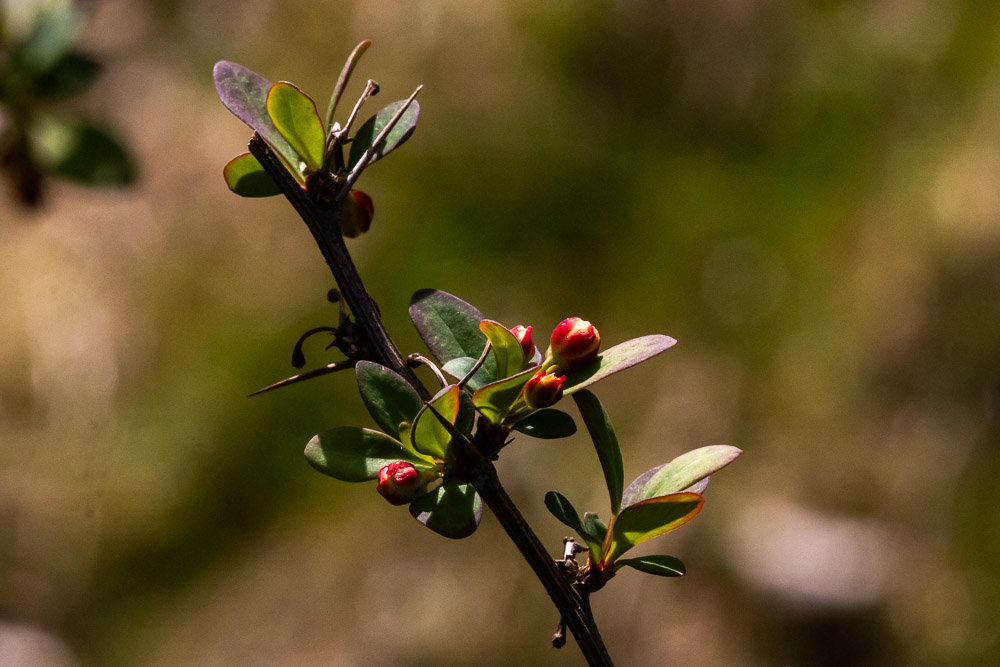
(805, 195)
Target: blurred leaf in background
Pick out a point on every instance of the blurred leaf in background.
(39, 67)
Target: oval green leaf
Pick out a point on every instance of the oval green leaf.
(681, 474)
(617, 358)
(506, 350)
(244, 92)
(449, 328)
(563, 509)
(664, 566)
(459, 367)
(497, 398)
(397, 135)
(389, 398)
(453, 509)
(547, 424)
(648, 519)
(429, 436)
(606, 443)
(295, 116)
(246, 177)
(80, 152)
(353, 454)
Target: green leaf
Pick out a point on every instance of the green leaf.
(453, 509)
(450, 328)
(680, 474)
(595, 528)
(353, 454)
(547, 424)
(505, 348)
(295, 115)
(389, 398)
(246, 177)
(617, 358)
(429, 435)
(71, 74)
(664, 566)
(81, 152)
(563, 509)
(345, 76)
(459, 367)
(244, 92)
(54, 32)
(606, 443)
(497, 398)
(647, 519)
(400, 132)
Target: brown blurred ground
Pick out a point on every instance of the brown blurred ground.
(805, 195)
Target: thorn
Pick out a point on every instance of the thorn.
(308, 375)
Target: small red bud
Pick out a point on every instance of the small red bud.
(543, 390)
(356, 216)
(400, 483)
(523, 336)
(574, 342)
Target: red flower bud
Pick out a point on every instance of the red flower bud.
(574, 343)
(400, 482)
(356, 216)
(523, 336)
(543, 390)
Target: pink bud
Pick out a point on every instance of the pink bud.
(523, 336)
(400, 483)
(574, 343)
(543, 390)
(357, 214)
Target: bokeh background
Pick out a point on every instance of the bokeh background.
(806, 195)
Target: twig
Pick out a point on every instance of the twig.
(324, 225)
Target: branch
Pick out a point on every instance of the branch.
(324, 225)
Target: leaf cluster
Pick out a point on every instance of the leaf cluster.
(38, 71)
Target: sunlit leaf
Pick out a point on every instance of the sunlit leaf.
(648, 519)
(246, 177)
(294, 114)
(496, 399)
(430, 436)
(389, 398)
(547, 424)
(453, 509)
(681, 474)
(664, 566)
(345, 76)
(353, 454)
(244, 92)
(617, 358)
(366, 134)
(450, 328)
(505, 348)
(605, 442)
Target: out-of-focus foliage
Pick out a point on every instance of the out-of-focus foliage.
(804, 195)
(39, 66)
